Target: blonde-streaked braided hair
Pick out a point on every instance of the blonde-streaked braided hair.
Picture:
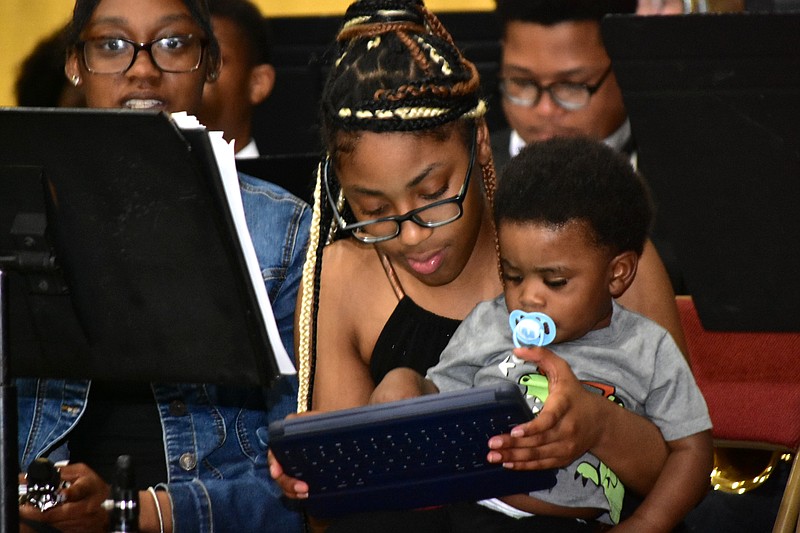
(397, 70)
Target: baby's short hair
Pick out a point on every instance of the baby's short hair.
(564, 179)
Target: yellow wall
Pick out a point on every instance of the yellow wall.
(24, 22)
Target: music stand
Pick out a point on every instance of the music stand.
(124, 258)
(714, 104)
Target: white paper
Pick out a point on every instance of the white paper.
(224, 154)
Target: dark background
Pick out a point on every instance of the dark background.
(287, 122)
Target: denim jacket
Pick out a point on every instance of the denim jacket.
(215, 436)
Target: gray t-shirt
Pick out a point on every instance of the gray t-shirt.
(634, 362)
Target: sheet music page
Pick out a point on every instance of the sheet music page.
(224, 154)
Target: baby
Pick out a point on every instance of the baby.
(572, 218)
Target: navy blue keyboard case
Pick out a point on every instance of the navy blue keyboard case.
(412, 453)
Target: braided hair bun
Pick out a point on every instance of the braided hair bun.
(397, 69)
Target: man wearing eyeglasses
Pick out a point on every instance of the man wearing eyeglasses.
(555, 75)
(556, 79)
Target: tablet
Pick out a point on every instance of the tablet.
(413, 453)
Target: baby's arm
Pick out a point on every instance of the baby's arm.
(402, 383)
(682, 483)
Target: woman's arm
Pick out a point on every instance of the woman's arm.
(651, 295)
(341, 377)
(574, 421)
(629, 444)
(346, 308)
(400, 384)
(682, 484)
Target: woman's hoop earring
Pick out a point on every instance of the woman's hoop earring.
(75, 80)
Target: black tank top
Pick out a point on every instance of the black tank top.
(412, 337)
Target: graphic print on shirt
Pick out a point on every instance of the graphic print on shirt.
(536, 390)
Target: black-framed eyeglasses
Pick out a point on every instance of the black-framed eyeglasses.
(570, 96)
(433, 215)
(115, 55)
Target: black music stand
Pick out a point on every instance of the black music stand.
(121, 259)
(714, 104)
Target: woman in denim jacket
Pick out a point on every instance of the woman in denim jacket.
(201, 447)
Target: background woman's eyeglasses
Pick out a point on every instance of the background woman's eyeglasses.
(570, 96)
(433, 215)
(115, 55)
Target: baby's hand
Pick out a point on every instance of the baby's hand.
(564, 429)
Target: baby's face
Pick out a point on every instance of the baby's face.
(557, 271)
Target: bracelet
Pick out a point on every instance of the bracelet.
(152, 492)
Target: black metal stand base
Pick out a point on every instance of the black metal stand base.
(9, 497)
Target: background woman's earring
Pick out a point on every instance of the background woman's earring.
(75, 79)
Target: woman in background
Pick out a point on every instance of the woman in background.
(199, 449)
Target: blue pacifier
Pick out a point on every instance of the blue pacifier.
(531, 329)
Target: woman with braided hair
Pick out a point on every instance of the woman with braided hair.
(403, 247)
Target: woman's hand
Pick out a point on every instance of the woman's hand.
(292, 487)
(81, 511)
(565, 429)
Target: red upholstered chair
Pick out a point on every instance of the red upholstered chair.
(751, 382)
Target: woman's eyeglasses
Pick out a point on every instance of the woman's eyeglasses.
(433, 215)
(115, 55)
